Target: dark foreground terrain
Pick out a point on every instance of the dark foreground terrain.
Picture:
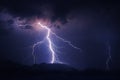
(13, 71)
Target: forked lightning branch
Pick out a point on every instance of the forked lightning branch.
(54, 57)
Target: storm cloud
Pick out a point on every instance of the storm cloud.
(89, 24)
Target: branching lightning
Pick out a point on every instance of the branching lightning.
(109, 56)
(33, 49)
(54, 57)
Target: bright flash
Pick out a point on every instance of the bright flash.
(54, 58)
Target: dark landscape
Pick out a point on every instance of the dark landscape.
(44, 71)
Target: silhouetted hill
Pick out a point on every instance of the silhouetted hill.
(53, 67)
(51, 71)
(15, 68)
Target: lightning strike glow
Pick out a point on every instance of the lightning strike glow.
(33, 50)
(109, 57)
(54, 57)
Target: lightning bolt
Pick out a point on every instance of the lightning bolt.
(33, 50)
(51, 45)
(109, 56)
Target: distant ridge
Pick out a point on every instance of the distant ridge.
(12, 68)
(53, 67)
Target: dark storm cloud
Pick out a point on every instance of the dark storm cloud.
(26, 27)
(3, 31)
(10, 22)
(57, 9)
(5, 28)
(29, 8)
(100, 22)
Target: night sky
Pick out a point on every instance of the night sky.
(90, 25)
